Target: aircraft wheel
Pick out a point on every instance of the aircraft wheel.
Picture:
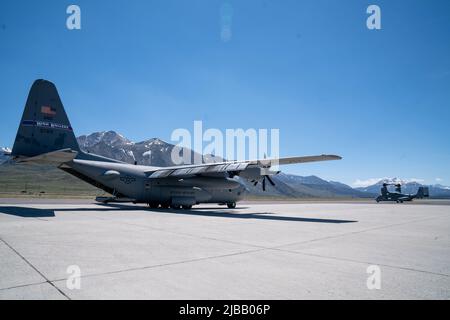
(231, 205)
(187, 207)
(164, 205)
(175, 206)
(154, 205)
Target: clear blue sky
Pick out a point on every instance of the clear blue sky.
(381, 99)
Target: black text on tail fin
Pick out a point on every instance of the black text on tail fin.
(44, 126)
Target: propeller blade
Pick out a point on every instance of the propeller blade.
(270, 180)
(255, 183)
(264, 184)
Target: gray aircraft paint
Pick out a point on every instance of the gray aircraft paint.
(45, 135)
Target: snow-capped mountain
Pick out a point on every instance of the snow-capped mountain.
(113, 145)
(318, 186)
(3, 156)
(151, 152)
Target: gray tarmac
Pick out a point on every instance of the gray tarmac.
(308, 250)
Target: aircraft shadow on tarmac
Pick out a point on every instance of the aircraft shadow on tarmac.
(27, 212)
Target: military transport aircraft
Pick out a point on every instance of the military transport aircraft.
(45, 136)
(398, 196)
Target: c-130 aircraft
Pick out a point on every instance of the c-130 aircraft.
(45, 136)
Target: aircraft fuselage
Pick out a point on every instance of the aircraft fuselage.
(133, 182)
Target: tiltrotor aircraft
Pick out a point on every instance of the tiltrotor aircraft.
(46, 136)
(398, 196)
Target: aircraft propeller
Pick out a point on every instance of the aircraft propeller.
(255, 182)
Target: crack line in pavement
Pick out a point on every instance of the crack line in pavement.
(188, 234)
(264, 247)
(361, 262)
(260, 248)
(352, 233)
(280, 247)
(24, 285)
(35, 269)
(165, 264)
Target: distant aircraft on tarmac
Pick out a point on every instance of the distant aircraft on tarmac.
(398, 196)
(46, 136)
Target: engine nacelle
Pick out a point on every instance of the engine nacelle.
(257, 173)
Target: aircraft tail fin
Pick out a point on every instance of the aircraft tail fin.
(44, 126)
(422, 192)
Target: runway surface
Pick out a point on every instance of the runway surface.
(257, 251)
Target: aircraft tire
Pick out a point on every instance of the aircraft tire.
(187, 207)
(153, 205)
(165, 205)
(231, 205)
(175, 206)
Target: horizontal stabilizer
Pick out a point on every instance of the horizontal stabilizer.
(6, 153)
(53, 157)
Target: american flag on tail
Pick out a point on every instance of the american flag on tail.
(48, 110)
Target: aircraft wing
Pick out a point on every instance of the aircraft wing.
(304, 159)
(233, 166)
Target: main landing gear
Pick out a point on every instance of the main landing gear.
(231, 205)
(155, 205)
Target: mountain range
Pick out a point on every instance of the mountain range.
(156, 152)
(3, 157)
